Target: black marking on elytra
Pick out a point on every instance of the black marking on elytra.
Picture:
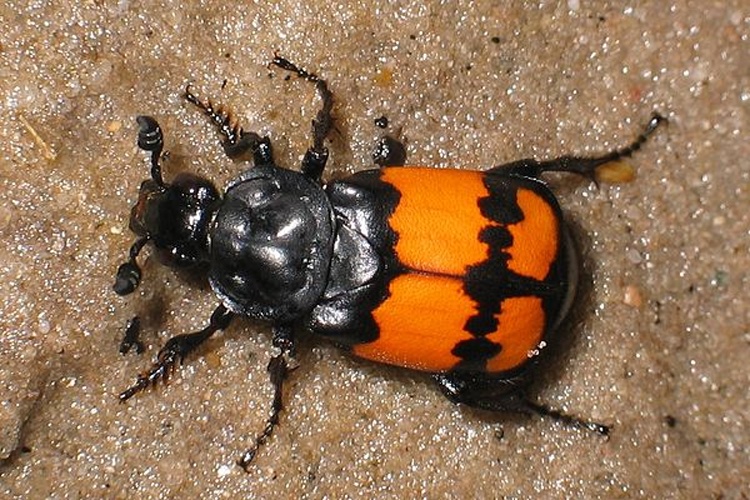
(491, 282)
(476, 352)
(501, 205)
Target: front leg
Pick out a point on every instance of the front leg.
(278, 369)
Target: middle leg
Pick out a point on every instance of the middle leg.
(580, 165)
(278, 369)
(175, 351)
(237, 142)
(316, 156)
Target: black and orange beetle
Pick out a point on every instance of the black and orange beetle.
(461, 274)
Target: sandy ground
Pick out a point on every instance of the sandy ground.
(660, 344)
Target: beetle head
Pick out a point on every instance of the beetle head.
(176, 218)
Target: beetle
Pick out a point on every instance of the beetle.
(465, 275)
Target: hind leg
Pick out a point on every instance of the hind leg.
(498, 394)
(579, 165)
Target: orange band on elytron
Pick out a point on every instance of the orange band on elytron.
(535, 238)
(438, 219)
(420, 323)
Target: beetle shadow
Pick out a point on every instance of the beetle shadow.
(561, 343)
(154, 305)
(552, 361)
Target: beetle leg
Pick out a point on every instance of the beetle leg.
(504, 395)
(175, 350)
(283, 341)
(528, 406)
(316, 156)
(237, 142)
(389, 152)
(131, 338)
(583, 166)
